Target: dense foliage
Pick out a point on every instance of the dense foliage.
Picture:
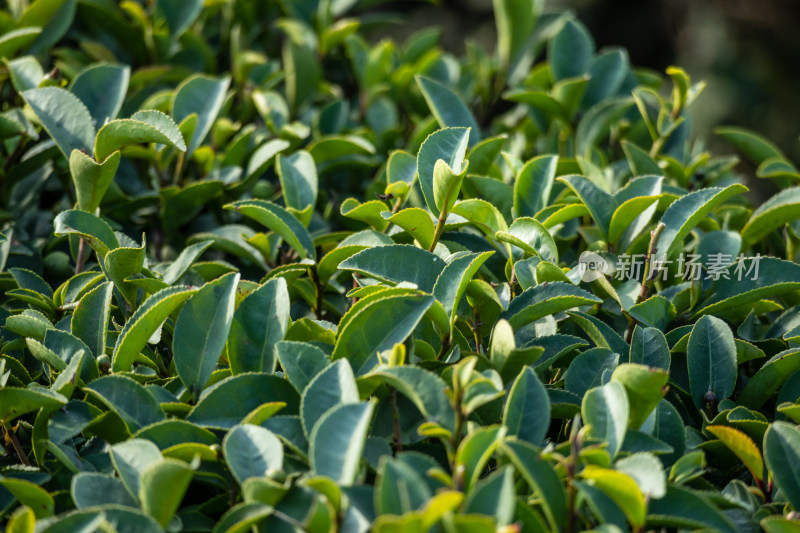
(338, 284)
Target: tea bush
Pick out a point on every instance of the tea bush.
(262, 273)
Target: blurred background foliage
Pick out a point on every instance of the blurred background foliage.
(748, 51)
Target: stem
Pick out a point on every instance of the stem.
(178, 169)
(17, 445)
(439, 230)
(574, 446)
(81, 260)
(397, 443)
(647, 280)
(317, 291)
(476, 329)
(16, 154)
(446, 343)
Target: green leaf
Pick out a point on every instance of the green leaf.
(94, 229)
(337, 441)
(143, 127)
(607, 73)
(742, 446)
(449, 145)
(201, 330)
(179, 14)
(649, 347)
(686, 212)
(494, 496)
(711, 359)
(449, 110)
(131, 401)
(640, 161)
(779, 210)
(589, 370)
(527, 411)
(15, 40)
(542, 478)
(475, 451)
(452, 282)
(447, 185)
(65, 118)
(162, 487)
(260, 321)
(600, 333)
(130, 459)
(23, 520)
(202, 96)
(280, 221)
(301, 361)
(91, 179)
(302, 72)
(647, 471)
(606, 410)
(228, 402)
(416, 221)
(184, 261)
(600, 204)
(622, 489)
(365, 331)
(485, 216)
(334, 385)
(368, 212)
(102, 88)
(597, 123)
(532, 237)
(645, 387)
(91, 488)
(397, 263)
(399, 488)
(16, 402)
(533, 185)
(749, 281)
(144, 322)
(516, 21)
(30, 495)
(782, 453)
(571, 50)
(754, 146)
(252, 451)
(122, 263)
(546, 299)
(632, 215)
(684, 509)
(425, 390)
(26, 73)
(769, 378)
(298, 176)
(778, 524)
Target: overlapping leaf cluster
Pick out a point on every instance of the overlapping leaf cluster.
(262, 271)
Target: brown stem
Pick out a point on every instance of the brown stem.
(476, 328)
(318, 291)
(574, 447)
(439, 230)
(176, 178)
(16, 154)
(647, 278)
(397, 443)
(17, 446)
(446, 344)
(81, 260)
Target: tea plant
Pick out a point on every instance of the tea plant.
(261, 272)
